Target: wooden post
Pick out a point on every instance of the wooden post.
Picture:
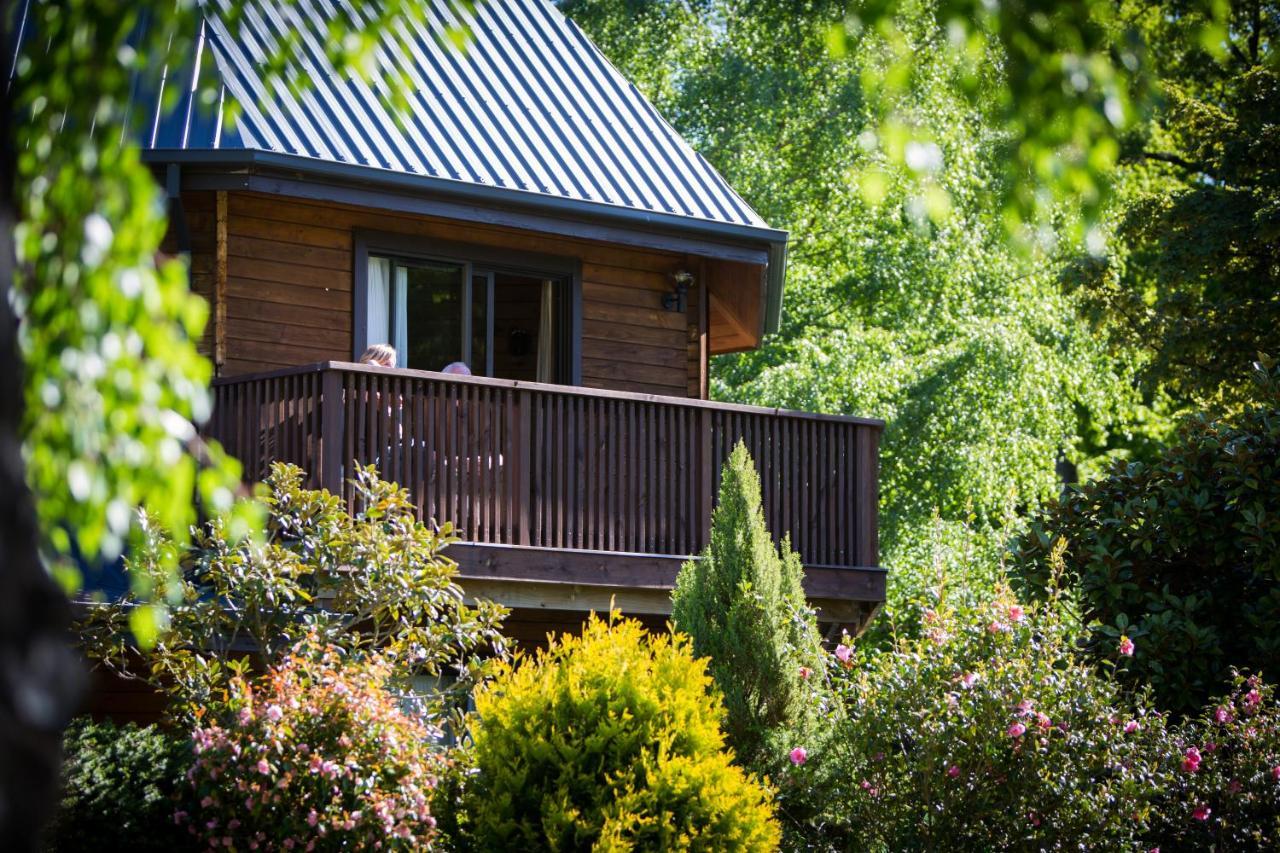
(332, 425)
(521, 451)
(868, 496)
(220, 284)
(706, 478)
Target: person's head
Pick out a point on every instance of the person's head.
(458, 368)
(383, 355)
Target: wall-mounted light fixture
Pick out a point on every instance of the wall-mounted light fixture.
(676, 300)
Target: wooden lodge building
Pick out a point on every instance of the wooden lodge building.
(532, 216)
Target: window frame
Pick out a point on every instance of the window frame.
(470, 256)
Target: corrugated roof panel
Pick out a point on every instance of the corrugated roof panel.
(531, 105)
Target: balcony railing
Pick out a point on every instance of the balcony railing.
(521, 463)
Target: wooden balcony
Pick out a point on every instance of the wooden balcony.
(569, 497)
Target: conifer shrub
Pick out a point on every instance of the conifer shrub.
(608, 741)
(743, 607)
(315, 753)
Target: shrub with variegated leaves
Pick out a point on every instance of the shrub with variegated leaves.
(317, 753)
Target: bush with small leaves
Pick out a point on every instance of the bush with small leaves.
(317, 752)
(1182, 555)
(985, 733)
(119, 785)
(1225, 789)
(610, 741)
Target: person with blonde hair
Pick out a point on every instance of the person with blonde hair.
(380, 355)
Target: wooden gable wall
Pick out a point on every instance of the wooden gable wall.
(288, 290)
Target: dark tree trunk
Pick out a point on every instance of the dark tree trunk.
(40, 676)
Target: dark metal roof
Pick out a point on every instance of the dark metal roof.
(531, 113)
(530, 105)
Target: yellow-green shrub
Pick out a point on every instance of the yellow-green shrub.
(609, 741)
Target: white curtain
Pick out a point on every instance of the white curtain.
(379, 302)
(546, 336)
(402, 317)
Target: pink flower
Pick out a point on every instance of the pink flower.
(1234, 786)
(1033, 818)
(869, 788)
(1131, 727)
(1201, 813)
(953, 771)
(206, 802)
(1275, 772)
(312, 818)
(179, 816)
(289, 843)
(843, 653)
(1251, 700)
(968, 680)
(1025, 706)
(799, 756)
(1043, 721)
(805, 672)
(1017, 730)
(274, 714)
(1222, 715)
(263, 767)
(1126, 647)
(1016, 613)
(1191, 760)
(995, 628)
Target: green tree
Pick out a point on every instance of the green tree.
(1191, 276)
(905, 299)
(743, 606)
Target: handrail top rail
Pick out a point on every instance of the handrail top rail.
(546, 387)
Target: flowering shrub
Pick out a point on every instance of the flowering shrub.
(375, 577)
(984, 733)
(316, 753)
(1225, 791)
(609, 741)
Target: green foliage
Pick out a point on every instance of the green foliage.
(609, 741)
(371, 578)
(120, 785)
(1225, 795)
(1182, 555)
(743, 607)
(902, 303)
(113, 379)
(986, 733)
(114, 382)
(317, 750)
(1191, 275)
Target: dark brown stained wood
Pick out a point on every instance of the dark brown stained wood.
(628, 315)
(262, 250)
(255, 269)
(337, 301)
(632, 571)
(290, 263)
(313, 234)
(283, 314)
(220, 283)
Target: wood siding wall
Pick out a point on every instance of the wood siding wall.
(289, 299)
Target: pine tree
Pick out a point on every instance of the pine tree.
(744, 608)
